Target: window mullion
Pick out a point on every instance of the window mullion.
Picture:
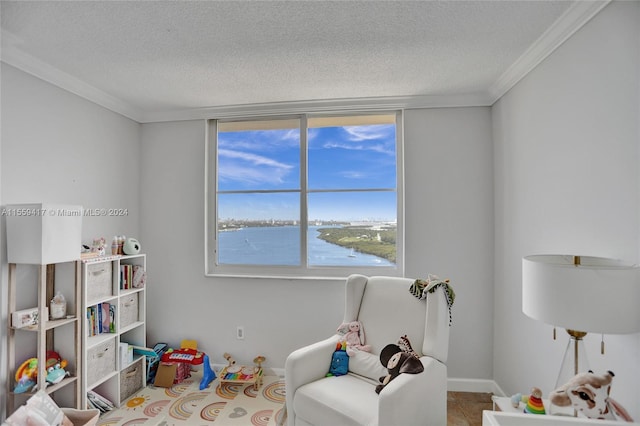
(304, 217)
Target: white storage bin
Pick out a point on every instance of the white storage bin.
(101, 361)
(99, 280)
(131, 379)
(43, 233)
(128, 310)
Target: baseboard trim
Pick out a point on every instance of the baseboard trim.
(453, 384)
(474, 385)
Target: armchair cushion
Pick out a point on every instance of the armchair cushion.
(322, 402)
(367, 365)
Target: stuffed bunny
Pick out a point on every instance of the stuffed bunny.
(354, 336)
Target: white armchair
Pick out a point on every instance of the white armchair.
(387, 311)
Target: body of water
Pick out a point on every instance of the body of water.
(280, 245)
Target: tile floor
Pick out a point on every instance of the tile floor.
(465, 408)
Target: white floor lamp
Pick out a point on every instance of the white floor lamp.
(583, 295)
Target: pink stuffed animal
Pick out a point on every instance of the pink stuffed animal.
(354, 336)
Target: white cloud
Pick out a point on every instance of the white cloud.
(251, 168)
(256, 160)
(367, 133)
(380, 148)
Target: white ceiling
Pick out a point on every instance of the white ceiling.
(163, 60)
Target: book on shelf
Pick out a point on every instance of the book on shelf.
(100, 319)
(95, 400)
(132, 276)
(139, 276)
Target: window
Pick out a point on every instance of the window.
(304, 196)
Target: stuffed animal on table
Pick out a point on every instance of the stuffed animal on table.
(396, 361)
(588, 393)
(353, 334)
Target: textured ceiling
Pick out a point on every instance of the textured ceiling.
(162, 57)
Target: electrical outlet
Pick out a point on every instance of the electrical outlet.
(240, 332)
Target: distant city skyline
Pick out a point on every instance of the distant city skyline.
(339, 158)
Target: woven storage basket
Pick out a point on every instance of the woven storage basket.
(99, 281)
(131, 379)
(128, 309)
(101, 361)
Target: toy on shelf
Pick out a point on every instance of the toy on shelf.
(588, 393)
(534, 403)
(517, 399)
(233, 373)
(27, 374)
(56, 373)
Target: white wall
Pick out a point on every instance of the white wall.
(59, 148)
(449, 214)
(449, 233)
(566, 142)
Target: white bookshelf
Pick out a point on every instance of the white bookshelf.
(103, 370)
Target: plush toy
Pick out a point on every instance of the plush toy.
(396, 361)
(353, 334)
(405, 345)
(339, 361)
(588, 393)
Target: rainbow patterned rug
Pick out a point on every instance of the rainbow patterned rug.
(220, 404)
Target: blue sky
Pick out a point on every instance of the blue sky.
(349, 157)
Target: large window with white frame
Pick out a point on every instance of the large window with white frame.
(305, 195)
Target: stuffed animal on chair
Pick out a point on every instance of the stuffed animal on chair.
(354, 336)
(588, 393)
(405, 345)
(397, 362)
(339, 361)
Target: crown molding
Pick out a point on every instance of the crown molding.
(319, 106)
(12, 55)
(564, 27)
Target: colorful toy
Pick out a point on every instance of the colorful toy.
(233, 373)
(186, 355)
(27, 374)
(588, 394)
(56, 373)
(534, 403)
(397, 362)
(208, 375)
(339, 361)
(353, 333)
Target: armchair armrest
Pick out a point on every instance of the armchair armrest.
(306, 365)
(420, 396)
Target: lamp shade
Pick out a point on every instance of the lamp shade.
(597, 295)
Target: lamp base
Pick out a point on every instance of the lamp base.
(575, 361)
